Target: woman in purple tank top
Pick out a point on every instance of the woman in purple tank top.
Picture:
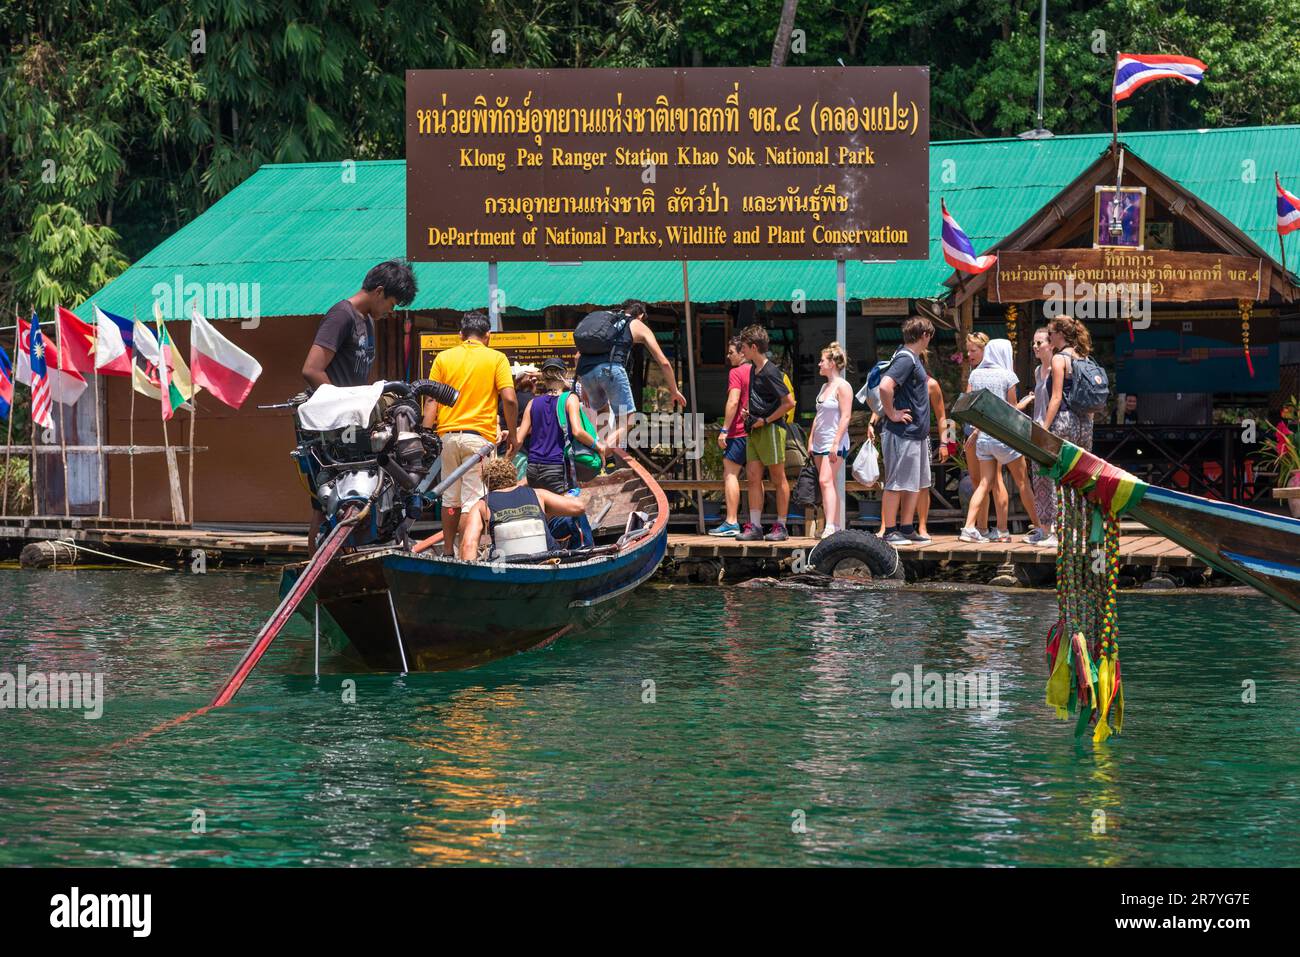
(540, 435)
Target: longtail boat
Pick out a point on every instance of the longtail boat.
(395, 608)
(1259, 549)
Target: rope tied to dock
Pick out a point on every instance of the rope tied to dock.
(1083, 644)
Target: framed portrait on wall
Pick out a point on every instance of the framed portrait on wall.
(1119, 217)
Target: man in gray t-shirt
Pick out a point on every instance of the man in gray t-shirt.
(343, 352)
(905, 437)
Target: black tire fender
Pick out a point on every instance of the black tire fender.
(860, 548)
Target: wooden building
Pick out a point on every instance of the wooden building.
(271, 256)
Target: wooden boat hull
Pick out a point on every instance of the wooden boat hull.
(450, 615)
(1260, 549)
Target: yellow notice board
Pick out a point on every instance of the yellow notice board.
(525, 348)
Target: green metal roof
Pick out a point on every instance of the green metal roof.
(307, 237)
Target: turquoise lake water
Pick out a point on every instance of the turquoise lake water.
(770, 739)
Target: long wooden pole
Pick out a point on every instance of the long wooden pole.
(9, 439)
(131, 424)
(690, 365)
(99, 446)
(194, 410)
(63, 436)
(1281, 245)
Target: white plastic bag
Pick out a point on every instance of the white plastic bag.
(866, 467)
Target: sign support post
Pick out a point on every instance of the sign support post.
(842, 337)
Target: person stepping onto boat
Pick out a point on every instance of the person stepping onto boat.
(542, 438)
(828, 442)
(482, 376)
(997, 374)
(732, 438)
(516, 516)
(765, 406)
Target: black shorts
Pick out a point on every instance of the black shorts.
(548, 475)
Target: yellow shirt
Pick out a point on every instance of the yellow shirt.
(789, 416)
(478, 374)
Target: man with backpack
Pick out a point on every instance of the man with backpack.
(764, 409)
(905, 438)
(605, 339)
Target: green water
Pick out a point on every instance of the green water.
(770, 706)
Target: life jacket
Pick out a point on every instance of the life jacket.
(606, 334)
(518, 523)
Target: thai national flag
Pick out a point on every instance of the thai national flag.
(1134, 69)
(42, 414)
(6, 384)
(957, 249)
(1288, 209)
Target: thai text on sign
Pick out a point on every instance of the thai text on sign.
(574, 165)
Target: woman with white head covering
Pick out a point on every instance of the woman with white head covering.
(996, 373)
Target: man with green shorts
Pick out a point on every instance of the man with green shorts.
(766, 405)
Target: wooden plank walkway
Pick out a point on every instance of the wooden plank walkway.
(1141, 549)
(94, 532)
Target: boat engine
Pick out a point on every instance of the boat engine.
(387, 462)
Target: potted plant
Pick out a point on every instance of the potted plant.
(1281, 453)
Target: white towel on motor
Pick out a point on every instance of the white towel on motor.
(333, 408)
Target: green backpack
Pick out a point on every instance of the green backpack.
(586, 459)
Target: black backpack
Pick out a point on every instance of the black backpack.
(606, 334)
(1089, 386)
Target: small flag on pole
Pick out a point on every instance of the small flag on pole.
(113, 343)
(64, 386)
(76, 343)
(168, 389)
(957, 248)
(1133, 70)
(220, 366)
(42, 407)
(1288, 209)
(6, 384)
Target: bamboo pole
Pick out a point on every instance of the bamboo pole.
(99, 446)
(9, 438)
(690, 366)
(131, 425)
(1281, 245)
(194, 411)
(63, 437)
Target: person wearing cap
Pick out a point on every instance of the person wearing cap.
(540, 435)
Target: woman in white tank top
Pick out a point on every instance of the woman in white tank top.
(829, 442)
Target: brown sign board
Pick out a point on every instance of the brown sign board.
(1170, 276)
(666, 164)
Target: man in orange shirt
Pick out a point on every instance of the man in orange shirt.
(481, 376)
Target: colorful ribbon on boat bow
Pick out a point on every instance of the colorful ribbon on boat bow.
(1083, 646)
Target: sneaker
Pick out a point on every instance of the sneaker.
(998, 535)
(971, 535)
(916, 538)
(1035, 537)
(828, 531)
(896, 539)
(777, 534)
(750, 533)
(725, 530)
(1048, 542)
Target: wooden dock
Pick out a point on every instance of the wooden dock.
(1141, 549)
(163, 541)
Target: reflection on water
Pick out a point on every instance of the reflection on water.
(770, 737)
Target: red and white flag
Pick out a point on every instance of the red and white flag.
(65, 385)
(220, 366)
